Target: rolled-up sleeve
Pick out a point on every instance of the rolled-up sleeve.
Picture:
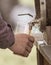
(6, 35)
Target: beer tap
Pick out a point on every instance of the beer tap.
(36, 21)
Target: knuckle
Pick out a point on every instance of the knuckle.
(30, 44)
(25, 53)
(31, 39)
(28, 49)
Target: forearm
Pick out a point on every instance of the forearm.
(6, 35)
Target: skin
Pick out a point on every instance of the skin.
(23, 42)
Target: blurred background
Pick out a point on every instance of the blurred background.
(8, 58)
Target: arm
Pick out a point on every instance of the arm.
(23, 43)
(6, 35)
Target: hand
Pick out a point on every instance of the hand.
(23, 44)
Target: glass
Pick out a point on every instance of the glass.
(22, 15)
(22, 26)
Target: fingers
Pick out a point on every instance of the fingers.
(23, 45)
(28, 49)
(31, 39)
(26, 53)
(30, 44)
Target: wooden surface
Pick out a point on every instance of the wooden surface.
(41, 60)
(37, 7)
(39, 56)
(48, 31)
(46, 53)
(48, 10)
(43, 54)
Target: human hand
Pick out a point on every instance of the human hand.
(23, 44)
